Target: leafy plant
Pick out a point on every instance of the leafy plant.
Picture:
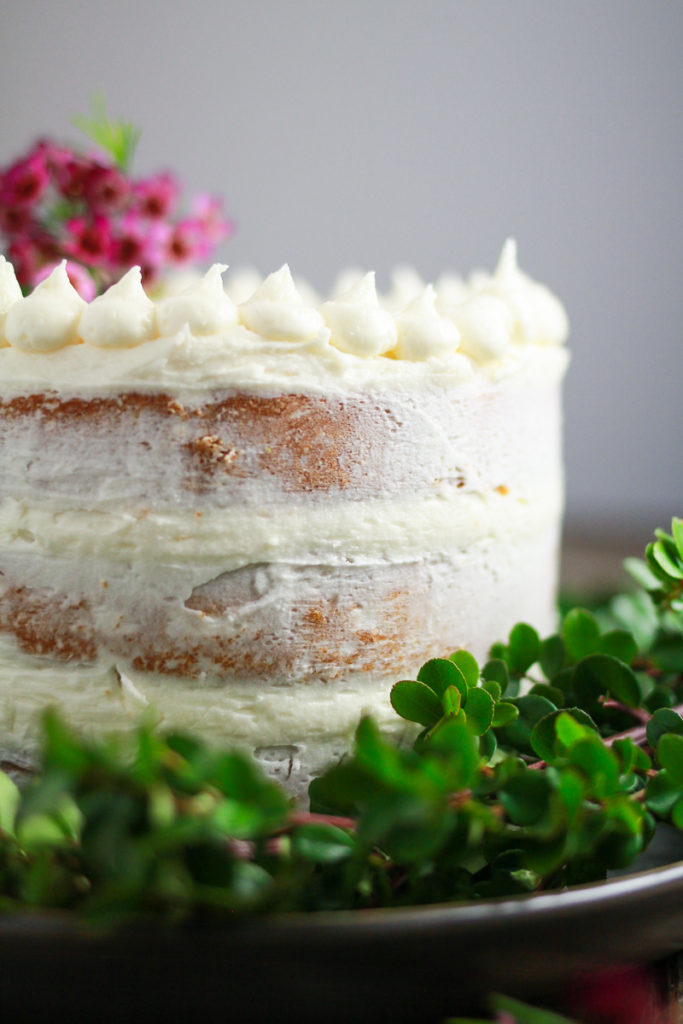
(546, 766)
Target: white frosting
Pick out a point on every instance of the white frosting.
(282, 340)
(538, 317)
(485, 323)
(121, 318)
(203, 307)
(423, 332)
(10, 292)
(48, 318)
(406, 286)
(277, 311)
(357, 322)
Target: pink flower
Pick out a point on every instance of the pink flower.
(157, 195)
(72, 177)
(88, 240)
(24, 182)
(25, 259)
(208, 211)
(15, 220)
(139, 242)
(187, 242)
(77, 274)
(106, 188)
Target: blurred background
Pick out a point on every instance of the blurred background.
(423, 132)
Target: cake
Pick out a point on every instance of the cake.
(255, 518)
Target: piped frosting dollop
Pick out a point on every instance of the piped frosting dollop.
(48, 318)
(10, 292)
(203, 307)
(357, 323)
(124, 316)
(423, 333)
(538, 317)
(277, 311)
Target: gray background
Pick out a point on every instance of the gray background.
(425, 132)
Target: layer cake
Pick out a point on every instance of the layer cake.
(256, 517)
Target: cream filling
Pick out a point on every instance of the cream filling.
(369, 532)
(99, 698)
(237, 358)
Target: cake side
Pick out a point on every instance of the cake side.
(257, 535)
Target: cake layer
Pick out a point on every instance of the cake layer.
(233, 449)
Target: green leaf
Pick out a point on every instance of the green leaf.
(497, 671)
(9, 802)
(598, 764)
(451, 700)
(552, 656)
(662, 794)
(543, 735)
(670, 755)
(492, 687)
(118, 138)
(531, 710)
(479, 710)
(663, 720)
(467, 664)
(416, 702)
(666, 557)
(568, 728)
(524, 648)
(677, 533)
(598, 674)
(619, 644)
(454, 738)
(322, 843)
(504, 714)
(641, 573)
(581, 633)
(526, 797)
(440, 673)
(677, 813)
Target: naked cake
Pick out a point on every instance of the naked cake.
(256, 517)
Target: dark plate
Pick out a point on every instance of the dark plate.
(417, 964)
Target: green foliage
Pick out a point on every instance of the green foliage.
(117, 138)
(533, 771)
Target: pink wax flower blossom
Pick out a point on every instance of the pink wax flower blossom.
(107, 189)
(88, 240)
(25, 259)
(57, 202)
(71, 177)
(157, 196)
(77, 274)
(24, 182)
(140, 243)
(208, 211)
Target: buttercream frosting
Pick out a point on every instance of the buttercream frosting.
(10, 292)
(203, 307)
(422, 331)
(357, 322)
(121, 318)
(277, 311)
(48, 318)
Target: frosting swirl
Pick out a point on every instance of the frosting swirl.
(48, 318)
(357, 323)
(422, 331)
(10, 292)
(277, 311)
(121, 318)
(203, 307)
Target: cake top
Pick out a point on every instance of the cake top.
(266, 331)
